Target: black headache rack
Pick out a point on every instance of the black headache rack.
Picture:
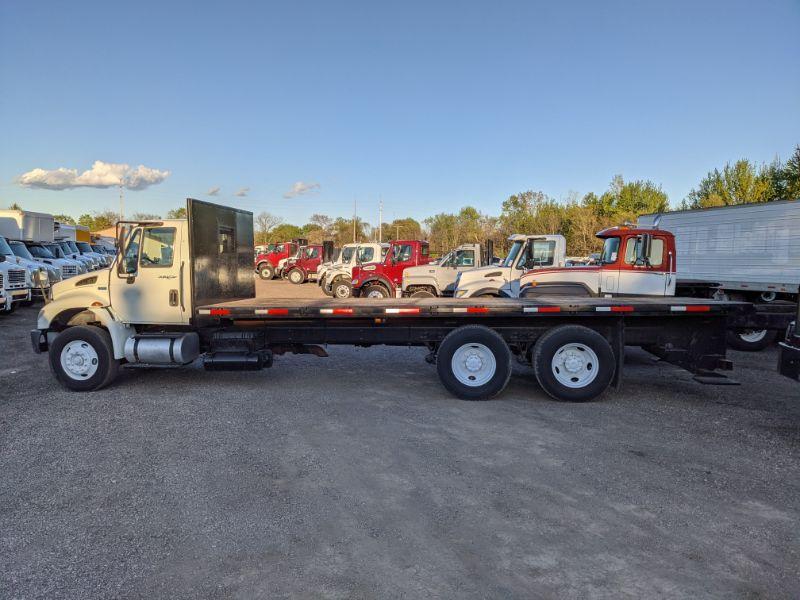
(221, 253)
(687, 332)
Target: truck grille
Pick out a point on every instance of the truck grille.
(69, 271)
(16, 276)
(1, 281)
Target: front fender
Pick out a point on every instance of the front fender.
(426, 280)
(377, 279)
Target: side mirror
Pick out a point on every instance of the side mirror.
(2, 258)
(645, 241)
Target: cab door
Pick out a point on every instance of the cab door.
(313, 259)
(149, 283)
(648, 277)
(402, 257)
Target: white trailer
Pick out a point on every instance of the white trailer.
(750, 251)
(26, 225)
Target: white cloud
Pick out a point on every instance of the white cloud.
(214, 191)
(300, 188)
(243, 192)
(101, 175)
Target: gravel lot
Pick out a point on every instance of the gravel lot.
(357, 476)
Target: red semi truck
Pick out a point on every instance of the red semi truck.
(385, 279)
(304, 265)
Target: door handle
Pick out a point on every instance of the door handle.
(173, 297)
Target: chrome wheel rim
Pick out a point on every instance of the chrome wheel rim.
(753, 336)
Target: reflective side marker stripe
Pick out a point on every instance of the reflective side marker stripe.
(471, 309)
(541, 309)
(272, 312)
(621, 308)
(336, 311)
(219, 312)
(402, 311)
(204, 311)
(691, 308)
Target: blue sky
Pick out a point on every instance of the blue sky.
(428, 105)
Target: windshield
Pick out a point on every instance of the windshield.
(55, 250)
(20, 250)
(367, 254)
(72, 246)
(65, 248)
(446, 260)
(98, 249)
(512, 254)
(347, 254)
(610, 251)
(84, 247)
(40, 252)
(278, 248)
(5, 249)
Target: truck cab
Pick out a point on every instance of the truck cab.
(338, 277)
(14, 283)
(42, 254)
(635, 261)
(526, 252)
(304, 266)
(39, 276)
(269, 264)
(439, 278)
(384, 279)
(71, 251)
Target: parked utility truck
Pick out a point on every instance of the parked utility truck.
(744, 252)
(183, 289)
(384, 279)
(337, 278)
(439, 278)
(526, 252)
(270, 264)
(15, 285)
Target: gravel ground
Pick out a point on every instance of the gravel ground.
(358, 476)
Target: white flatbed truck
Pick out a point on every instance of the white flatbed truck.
(183, 289)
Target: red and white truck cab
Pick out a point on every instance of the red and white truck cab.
(635, 261)
(269, 264)
(304, 266)
(385, 279)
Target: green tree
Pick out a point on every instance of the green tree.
(284, 233)
(14, 206)
(739, 183)
(629, 200)
(64, 219)
(788, 178)
(343, 231)
(143, 216)
(177, 213)
(263, 224)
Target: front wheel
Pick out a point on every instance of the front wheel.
(423, 294)
(474, 362)
(751, 340)
(296, 276)
(375, 290)
(82, 358)
(266, 271)
(342, 289)
(573, 363)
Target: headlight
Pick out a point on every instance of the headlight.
(354, 281)
(461, 293)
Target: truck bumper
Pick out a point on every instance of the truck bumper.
(39, 341)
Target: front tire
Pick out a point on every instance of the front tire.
(266, 272)
(296, 276)
(423, 294)
(82, 358)
(376, 290)
(341, 288)
(573, 363)
(474, 362)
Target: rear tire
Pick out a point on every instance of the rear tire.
(375, 290)
(573, 363)
(751, 341)
(296, 276)
(266, 272)
(474, 362)
(82, 358)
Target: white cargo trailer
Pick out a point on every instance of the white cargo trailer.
(752, 249)
(26, 225)
(744, 252)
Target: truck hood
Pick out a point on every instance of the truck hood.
(483, 274)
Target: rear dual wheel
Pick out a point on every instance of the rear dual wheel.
(474, 362)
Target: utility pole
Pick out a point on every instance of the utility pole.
(380, 221)
(121, 202)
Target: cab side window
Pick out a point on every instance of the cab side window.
(312, 253)
(365, 254)
(656, 256)
(402, 253)
(158, 247)
(465, 258)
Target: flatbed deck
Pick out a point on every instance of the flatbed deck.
(293, 308)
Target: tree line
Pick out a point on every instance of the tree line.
(576, 218)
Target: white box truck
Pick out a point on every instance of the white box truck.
(26, 225)
(744, 252)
